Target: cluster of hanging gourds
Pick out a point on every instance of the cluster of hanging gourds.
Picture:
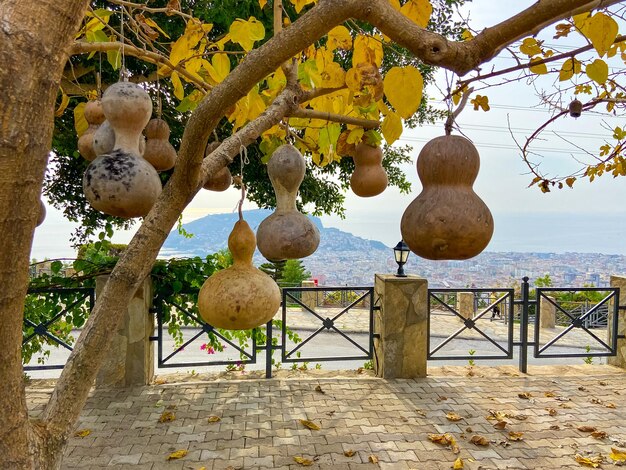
(447, 220)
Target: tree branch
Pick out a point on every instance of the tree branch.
(313, 114)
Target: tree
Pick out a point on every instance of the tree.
(37, 39)
(294, 272)
(273, 269)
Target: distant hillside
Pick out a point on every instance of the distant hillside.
(210, 234)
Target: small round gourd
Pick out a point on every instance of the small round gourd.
(221, 180)
(447, 220)
(369, 177)
(159, 152)
(287, 233)
(241, 296)
(575, 109)
(42, 213)
(121, 182)
(94, 115)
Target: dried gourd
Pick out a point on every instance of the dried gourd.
(94, 115)
(159, 152)
(447, 220)
(287, 233)
(221, 180)
(121, 182)
(41, 216)
(369, 177)
(104, 140)
(241, 296)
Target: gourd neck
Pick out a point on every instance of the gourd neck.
(128, 142)
(285, 200)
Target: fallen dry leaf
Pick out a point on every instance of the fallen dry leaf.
(160, 381)
(500, 425)
(214, 419)
(599, 434)
(582, 389)
(609, 405)
(596, 401)
(404, 419)
(525, 395)
(318, 389)
(349, 453)
(303, 461)
(469, 429)
(445, 440)
(515, 436)
(166, 417)
(82, 433)
(497, 415)
(555, 427)
(372, 458)
(179, 454)
(585, 428)
(479, 440)
(420, 412)
(360, 370)
(441, 398)
(618, 455)
(458, 464)
(452, 416)
(551, 411)
(550, 394)
(603, 383)
(565, 405)
(309, 424)
(594, 461)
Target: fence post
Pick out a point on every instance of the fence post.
(465, 304)
(401, 325)
(548, 313)
(523, 327)
(620, 359)
(130, 360)
(309, 297)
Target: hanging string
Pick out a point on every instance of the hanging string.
(99, 77)
(123, 76)
(243, 160)
(159, 104)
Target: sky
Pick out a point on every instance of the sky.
(588, 218)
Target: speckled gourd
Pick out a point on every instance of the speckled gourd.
(287, 233)
(221, 180)
(369, 177)
(104, 140)
(241, 296)
(159, 152)
(121, 182)
(447, 220)
(94, 115)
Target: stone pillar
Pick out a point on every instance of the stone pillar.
(130, 360)
(309, 297)
(620, 359)
(465, 304)
(548, 313)
(402, 347)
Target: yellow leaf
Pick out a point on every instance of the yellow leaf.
(184, 46)
(539, 69)
(391, 127)
(153, 24)
(220, 67)
(452, 416)
(599, 434)
(479, 440)
(525, 395)
(403, 87)
(466, 35)
(598, 71)
(480, 102)
(601, 30)
(458, 464)
(310, 424)
(179, 92)
(446, 440)
(246, 33)
(569, 68)
(373, 459)
(80, 123)
(262, 3)
(570, 181)
(581, 20)
(214, 419)
(304, 462)
(166, 417)
(515, 436)
(179, 454)
(589, 461)
(65, 100)
(82, 433)
(349, 453)
(530, 47)
(300, 4)
(618, 455)
(355, 135)
(395, 4)
(418, 10)
(367, 50)
(339, 37)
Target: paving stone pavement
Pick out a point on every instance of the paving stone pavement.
(360, 418)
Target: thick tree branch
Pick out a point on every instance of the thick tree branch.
(313, 114)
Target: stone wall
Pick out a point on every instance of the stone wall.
(620, 359)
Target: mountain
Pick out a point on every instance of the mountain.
(339, 252)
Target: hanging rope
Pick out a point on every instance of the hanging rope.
(123, 76)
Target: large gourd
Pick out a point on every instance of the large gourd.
(94, 115)
(221, 180)
(122, 183)
(447, 220)
(287, 233)
(369, 177)
(241, 296)
(159, 152)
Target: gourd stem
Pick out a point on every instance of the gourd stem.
(454, 114)
(243, 196)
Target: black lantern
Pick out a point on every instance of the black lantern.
(401, 254)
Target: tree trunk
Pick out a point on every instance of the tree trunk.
(35, 36)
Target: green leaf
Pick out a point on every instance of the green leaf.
(56, 267)
(177, 286)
